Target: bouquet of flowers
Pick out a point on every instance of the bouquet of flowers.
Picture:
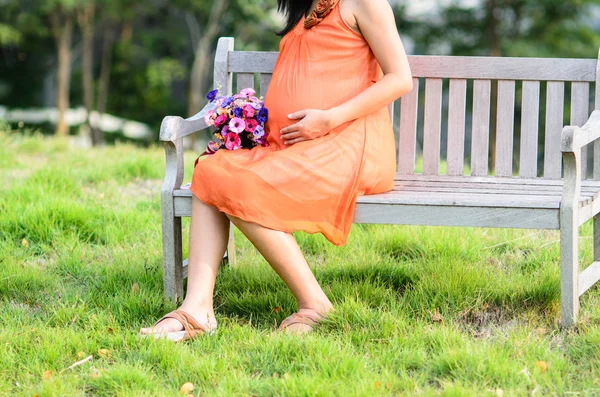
(239, 121)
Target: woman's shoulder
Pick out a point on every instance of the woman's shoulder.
(355, 12)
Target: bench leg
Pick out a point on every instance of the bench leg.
(569, 269)
(231, 260)
(597, 238)
(172, 258)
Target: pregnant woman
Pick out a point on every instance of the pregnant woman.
(340, 63)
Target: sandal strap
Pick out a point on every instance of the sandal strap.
(189, 323)
(301, 318)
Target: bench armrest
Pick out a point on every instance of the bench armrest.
(175, 127)
(574, 138)
(172, 131)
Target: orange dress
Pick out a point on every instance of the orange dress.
(311, 185)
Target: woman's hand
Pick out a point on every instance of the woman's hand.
(313, 124)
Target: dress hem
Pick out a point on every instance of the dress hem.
(229, 211)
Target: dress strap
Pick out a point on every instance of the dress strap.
(324, 7)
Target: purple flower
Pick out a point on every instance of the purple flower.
(259, 132)
(238, 112)
(227, 101)
(211, 95)
(263, 115)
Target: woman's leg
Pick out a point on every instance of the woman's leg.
(282, 252)
(209, 234)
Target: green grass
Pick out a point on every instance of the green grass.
(420, 310)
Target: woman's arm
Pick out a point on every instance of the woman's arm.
(375, 19)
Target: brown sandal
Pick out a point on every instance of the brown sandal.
(192, 328)
(309, 319)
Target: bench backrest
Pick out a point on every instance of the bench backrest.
(479, 116)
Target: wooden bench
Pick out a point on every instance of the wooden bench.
(523, 190)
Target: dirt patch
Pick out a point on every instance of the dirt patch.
(487, 321)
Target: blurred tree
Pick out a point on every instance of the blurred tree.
(61, 17)
(545, 28)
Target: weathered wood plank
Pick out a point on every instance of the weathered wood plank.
(245, 80)
(457, 216)
(481, 127)
(596, 146)
(407, 140)
(580, 111)
(432, 126)
(490, 179)
(515, 188)
(555, 99)
(223, 78)
(455, 67)
(569, 245)
(589, 277)
(265, 80)
(457, 107)
(530, 113)
(505, 127)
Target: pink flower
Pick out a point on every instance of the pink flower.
(237, 125)
(222, 119)
(208, 117)
(248, 111)
(248, 92)
(233, 141)
(251, 125)
(225, 130)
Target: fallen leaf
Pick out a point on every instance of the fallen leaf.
(80, 354)
(436, 317)
(110, 330)
(276, 375)
(24, 243)
(499, 393)
(277, 309)
(186, 388)
(135, 288)
(542, 365)
(47, 374)
(104, 353)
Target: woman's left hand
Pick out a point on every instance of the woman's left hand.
(313, 123)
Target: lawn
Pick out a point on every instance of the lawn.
(420, 310)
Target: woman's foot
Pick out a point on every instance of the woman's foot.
(202, 315)
(305, 319)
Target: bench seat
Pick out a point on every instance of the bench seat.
(444, 200)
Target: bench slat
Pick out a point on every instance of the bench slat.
(481, 127)
(489, 179)
(530, 115)
(457, 107)
(467, 199)
(432, 126)
(505, 127)
(555, 99)
(517, 188)
(245, 80)
(265, 79)
(483, 191)
(408, 130)
(580, 112)
(455, 67)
